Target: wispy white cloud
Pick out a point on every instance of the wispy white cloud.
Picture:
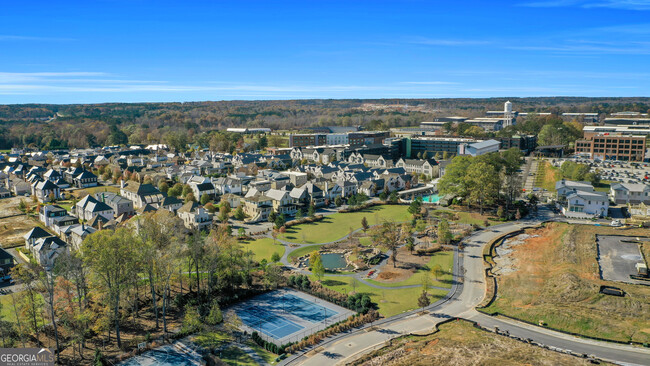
(612, 4)
(40, 76)
(639, 49)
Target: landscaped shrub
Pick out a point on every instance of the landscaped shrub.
(359, 303)
(351, 322)
(271, 347)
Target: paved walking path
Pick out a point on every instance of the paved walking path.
(468, 290)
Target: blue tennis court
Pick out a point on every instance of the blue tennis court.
(305, 309)
(268, 323)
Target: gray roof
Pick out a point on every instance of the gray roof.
(482, 144)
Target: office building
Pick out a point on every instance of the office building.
(613, 147)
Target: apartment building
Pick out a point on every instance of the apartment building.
(613, 147)
(433, 145)
(354, 139)
(307, 139)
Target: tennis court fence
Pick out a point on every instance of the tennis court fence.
(302, 333)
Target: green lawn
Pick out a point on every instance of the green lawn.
(603, 186)
(235, 356)
(366, 241)
(444, 259)
(267, 356)
(93, 190)
(472, 218)
(338, 225)
(263, 248)
(469, 218)
(391, 301)
(65, 204)
(211, 339)
(303, 251)
(7, 308)
(546, 176)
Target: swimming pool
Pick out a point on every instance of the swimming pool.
(432, 198)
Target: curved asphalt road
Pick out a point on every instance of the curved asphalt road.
(467, 292)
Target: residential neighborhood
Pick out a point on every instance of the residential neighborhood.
(316, 183)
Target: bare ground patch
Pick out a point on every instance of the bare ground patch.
(555, 277)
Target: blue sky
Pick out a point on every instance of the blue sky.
(139, 50)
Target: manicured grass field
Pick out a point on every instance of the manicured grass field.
(303, 251)
(469, 218)
(65, 204)
(211, 339)
(391, 301)
(92, 190)
(263, 248)
(446, 262)
(602, 186)
(365, 241)
(237, 357)
(338, 225)
(7, 309)
(267, 356)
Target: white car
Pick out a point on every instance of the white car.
(615, 223)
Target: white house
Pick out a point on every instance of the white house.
(282, 201)
(428, 167)
(195, 216)
(45, 250)
(141, 194)
(89, 207)
(565, 187)
(43, 189)
(581, 204)
(48, 213)
(630, 193)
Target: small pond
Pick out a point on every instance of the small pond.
(333, 261)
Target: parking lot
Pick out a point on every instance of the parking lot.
(614, 171)
(617, 258)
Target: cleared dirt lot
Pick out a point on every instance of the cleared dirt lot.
(9, 206)
(13, 228)
(553, 275)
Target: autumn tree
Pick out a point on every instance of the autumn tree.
(389, 235)
(484, 183)
(316, 264)
(423, 300)
(111, 256)
(444, 233)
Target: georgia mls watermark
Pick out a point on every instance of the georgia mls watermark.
(26, 357)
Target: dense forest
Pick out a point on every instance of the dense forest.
(83, 125)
